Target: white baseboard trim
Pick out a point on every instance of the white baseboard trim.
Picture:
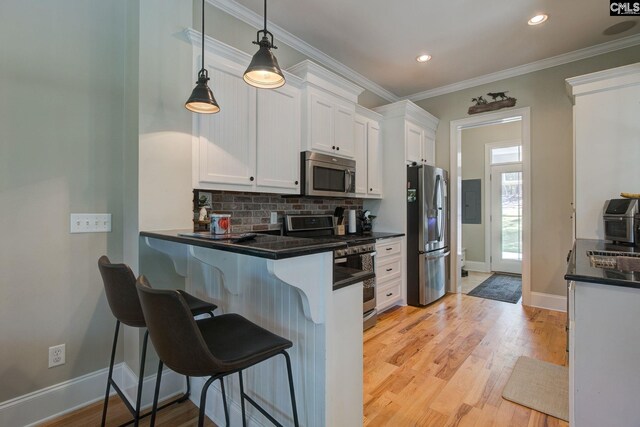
(549, 301)
(59, 399)
(476, 266)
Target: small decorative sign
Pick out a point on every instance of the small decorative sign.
(498, 100)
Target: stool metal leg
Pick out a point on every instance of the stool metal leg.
(203, 400)
(293, 395)
(154, 408)
(136, 416)
(113, 356)
(242, 396)
(224, 402)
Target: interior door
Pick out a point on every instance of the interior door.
(506, 218)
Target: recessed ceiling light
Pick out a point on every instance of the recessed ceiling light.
(423, 58)
(538, 19)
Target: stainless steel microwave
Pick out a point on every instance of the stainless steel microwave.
(327, 176)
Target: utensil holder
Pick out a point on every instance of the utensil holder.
(339, 230)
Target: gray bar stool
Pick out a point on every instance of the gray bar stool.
(120, 288)
(213, 347)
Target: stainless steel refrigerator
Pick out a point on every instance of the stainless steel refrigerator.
(427, 234)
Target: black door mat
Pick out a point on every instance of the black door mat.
(500, 287)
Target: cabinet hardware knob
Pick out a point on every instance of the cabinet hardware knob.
(389, 269)
(389, 294)
(338, 148)
(371, 189)
(296, 182)
(334, 147)
(251, 178)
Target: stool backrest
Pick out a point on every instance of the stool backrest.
(174, 332)
(120, 287)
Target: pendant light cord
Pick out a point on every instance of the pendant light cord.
(265, 15)
(203, 33)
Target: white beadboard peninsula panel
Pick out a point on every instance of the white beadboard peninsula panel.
(293, 298)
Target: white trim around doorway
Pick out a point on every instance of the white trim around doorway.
(455, 179)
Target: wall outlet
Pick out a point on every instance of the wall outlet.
(90, 223)
(56, 355)
(274, 217)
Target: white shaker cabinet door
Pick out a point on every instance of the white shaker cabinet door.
(344, 117)
(321, 123)
(429, 150)
(227, 139)
(278, 143)
(374, 159)
(413, 142)
(360, 149)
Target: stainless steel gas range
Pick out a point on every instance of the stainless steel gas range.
(356, 261)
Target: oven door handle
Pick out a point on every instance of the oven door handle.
(339, 260)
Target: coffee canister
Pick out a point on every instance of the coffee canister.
(220, 223)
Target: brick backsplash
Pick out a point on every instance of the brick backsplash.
(252, 211)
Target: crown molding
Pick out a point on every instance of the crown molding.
(250, 17)
(408, 110)
(554, 61)
(627, 75)
(318, 76)
(370, 114)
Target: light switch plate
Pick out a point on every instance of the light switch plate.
(90, 223)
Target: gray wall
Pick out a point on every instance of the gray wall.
(473, 167)
(551, 154)
(61, 147)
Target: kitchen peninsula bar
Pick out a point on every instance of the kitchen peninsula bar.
(283, 284)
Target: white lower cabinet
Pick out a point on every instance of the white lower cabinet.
(389, 273)
(604, 350)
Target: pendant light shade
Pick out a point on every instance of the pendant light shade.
(202, 100)
(263, 71)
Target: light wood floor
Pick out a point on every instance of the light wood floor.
(444, 365)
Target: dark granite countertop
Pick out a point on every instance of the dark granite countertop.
(579, 267)
(379, 236)
(263, 246)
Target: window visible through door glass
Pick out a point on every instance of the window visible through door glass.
(506, 155)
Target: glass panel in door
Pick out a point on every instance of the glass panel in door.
(506, 218)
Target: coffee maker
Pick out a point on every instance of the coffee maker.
(366, 221)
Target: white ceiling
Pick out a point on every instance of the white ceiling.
(380, 39)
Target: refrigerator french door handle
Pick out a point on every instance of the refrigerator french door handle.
(438, 256)
(438, 209)
(420, 190)
(443, 225)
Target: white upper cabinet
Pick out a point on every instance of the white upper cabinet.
(278, 151)
(606, 142)
(321, 122)
(343, 132)
(226, 152)
(429, 148)
(329, 105)
(253, 143)
(420, 144)
(374, 162)
(368, 153)
(413, 142)
(360, 144)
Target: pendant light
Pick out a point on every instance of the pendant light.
(201, 99)
(263, 71)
